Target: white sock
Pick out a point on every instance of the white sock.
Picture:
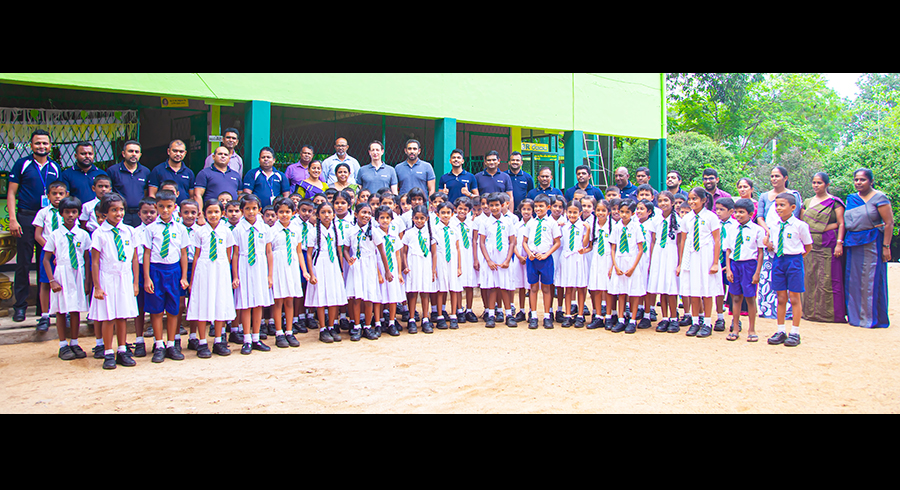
(546, 315)
(296, 319)
(192, 336)
(45, 316)
(73, 341)
(720, 316)
(795, 329)
(507, 312)
(203, 341)
(780, 329)
(99, 341)
(217, 340)
(122, 348)
(343, 316)
(108, 352)
(160, 344)
(255, 337)
(469, 310)
(63, 343)
(170, 343)
(279, 332)
(453, 317)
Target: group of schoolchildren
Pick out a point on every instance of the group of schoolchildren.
(345, 262)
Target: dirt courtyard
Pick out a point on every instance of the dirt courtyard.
(836, 369)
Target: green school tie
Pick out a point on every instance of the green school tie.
(73, 255)
(305, 231)
(287, 243)
(572, 238)
(164, 250)
(389, 248)
(644, 234)
(696, 233)
(447, 242)
(465, 235)
(213, 246)
(251, 247)
(422, 244)
(499, 238)
(738, 241)
(623, 241)
(328, 239)
(54, 219)
(537, 233)
(601, 243)
(665, 234)
(359, 237)
(721, 241)
(119, 247)
(780, 250)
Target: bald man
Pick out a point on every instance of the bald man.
(626, 188)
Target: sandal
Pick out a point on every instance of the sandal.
(732, 336)
(752, 338)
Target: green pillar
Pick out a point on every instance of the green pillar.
(657, 164)
(444, 143)
(574, 155)
(256, 131)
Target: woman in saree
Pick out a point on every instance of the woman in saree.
(767, 218)
(869, 223)
(823, 300)
(312, 185)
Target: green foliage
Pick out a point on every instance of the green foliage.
(880, 154)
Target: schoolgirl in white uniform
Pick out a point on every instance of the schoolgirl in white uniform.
(391, 290)
(448, 250)
(362, 255)
(325, 284)
(212, 300)
(252, 265)
(287, 281)
(421, 266)
(667, 252)
(115, 272)
(574, 241)
(700, 276)
(468, 241)
(598, 278)
(647, 222)
(626, 242)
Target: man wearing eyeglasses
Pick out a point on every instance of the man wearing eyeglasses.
(340, 156)
(230, 141)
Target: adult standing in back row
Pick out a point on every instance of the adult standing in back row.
(340, 156)
(491, 179)
(414, 172)
(230, 141)
(130, 179)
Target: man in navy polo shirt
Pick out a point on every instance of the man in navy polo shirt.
(80, 177)
(414, 172)
(267, 182)
(218, 178)
(583, 175)
(626, 188)
(458, 182)
(522, 182)
(545, 184)
(173, 169)
(491, 179)
(377, 175)
(28, 179)
(129, 178)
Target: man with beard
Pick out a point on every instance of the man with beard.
(28, 179)
(340, 156)
(711, 184)
(173, 169)
(458, 182)
(545, 184)
(583, 176)
(522, 182)
(80, 177)
(129, 178)
(229, 140)
(673, 184)
(414, 172)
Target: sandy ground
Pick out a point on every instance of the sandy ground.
(836, 369)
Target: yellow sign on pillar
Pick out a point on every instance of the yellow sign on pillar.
(167, 102)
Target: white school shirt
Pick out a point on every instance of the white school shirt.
(658, 229)
(488, 228)
(89, 215)
(709, 223)
(153, 238)
(301, 226)
(753, 238)
(343, 224)
(262, 236)
(104, 243)
(190, 245)
(279, 240)
(453, 233)
(727, 229)
(44, 219)
(201, 238)
(580, 229)
(312, 241)
(357, 239)
(468, 225)
(796, 235)
(58, 243)
(411, 240)
(633, 235)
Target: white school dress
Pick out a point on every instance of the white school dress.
(212, 298)
(419, 279)
(362, 280)
(518, 277)
(496, 233)
(598, 279)
(572, 265)
(664, 261)
(287, 276)
(588, 258)
(67, 245)
(696, 281)
(446, 239)
(329, 290)
(648, 228)
(390, 291)
(253, 290)
(635, 285)
(467, 242)
(116, 276)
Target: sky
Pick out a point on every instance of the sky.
(843, 83)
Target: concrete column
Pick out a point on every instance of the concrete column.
(657, 164)
(444, 143)
(573, 153)
(256, 131)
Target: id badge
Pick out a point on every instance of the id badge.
(45, 201)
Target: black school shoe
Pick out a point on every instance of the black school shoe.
(281, 342)
(597, 322)
(97, 350)
(548, 323)
(490, 322)
(511, 322)
(159, 355)
(300, 326)
(221, 349)
(559, 316)
(43, 324)
(673, 327)
(109, 361)
(426, 327)
(719, 326)
(631, 327)
(370, 333)
(644, 323)
(500, 316)
(258, 345)
(693, 329)
(355, 333)
(579, 322)
(140, 350)
(292, 341)
(653, 316)
(393, 331)
(193, 344)
(520, 316)
(124, 359)
(620, 327)
(78, 351)
(612, 321)
(411, 327)
(778, 338)
(662, 326)
(639, 315)
(246, 349)
(567, 322)
(533, 323)
(454, 324)
(174, 354)
(203, 351)
(335, 334)
(705, 331)
(471, 317)
(686, 321)
(792, 340)
(236, 337)
(66, 354)
(440, 325)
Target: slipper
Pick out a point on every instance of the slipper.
(732, 336)
(752, 338)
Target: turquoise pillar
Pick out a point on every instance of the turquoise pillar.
(444, 143)
(574, 154)
(256, 131)
(657, 164)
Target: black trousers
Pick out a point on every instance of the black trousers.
(27, 253)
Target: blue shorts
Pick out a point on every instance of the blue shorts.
(788, 274)
(743, 278)
(539, 271)
(42, 274)
(167, 289)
